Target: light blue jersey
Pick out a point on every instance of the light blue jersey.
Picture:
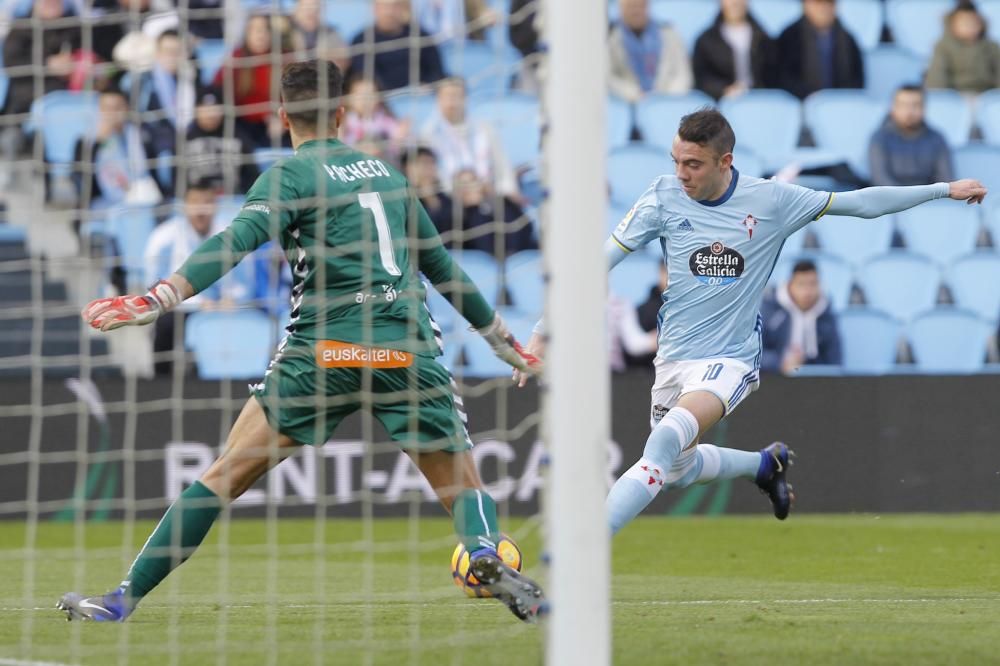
(719, 256)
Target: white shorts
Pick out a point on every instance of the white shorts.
(727, 378)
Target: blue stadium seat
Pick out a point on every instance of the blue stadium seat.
(767, 122)
(748, 163)
(825, 114)
(230, 345)
(991, 10)
(988, 115)
(480, 361)
(633, 277)
(853, 239)
(900, 283)
(979, 162)
(482, 269)
(869, 340)
(940, 229)
(917, 25)
(973, 280)
(62, 117)
(265, 157)
(949, 340)
(992, 216)
(349, 17)
(776, 15)
(517, 121)
(948, 112)
(620, 117)
(227, 208)
(631, 170)
(486, 70)
(523, 277)
(131, 226)
(658, 116)
(835, 275)
(210, 55)
(863, 19)
(415, 106)
(888, 67)
(689, 17)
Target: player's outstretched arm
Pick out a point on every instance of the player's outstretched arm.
(107, 314)
(877, 201)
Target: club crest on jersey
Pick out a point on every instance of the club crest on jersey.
(716, 264)
(750, 222)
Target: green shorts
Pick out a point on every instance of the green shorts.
(417, 405)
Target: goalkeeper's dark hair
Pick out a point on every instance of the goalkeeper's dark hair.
(708, 127)
(311, 92)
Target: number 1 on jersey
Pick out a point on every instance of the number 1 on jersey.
(373, 202)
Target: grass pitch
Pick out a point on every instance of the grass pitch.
(814, 590)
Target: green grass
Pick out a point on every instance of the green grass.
(814, 590)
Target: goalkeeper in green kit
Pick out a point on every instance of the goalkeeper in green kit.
(360, 337)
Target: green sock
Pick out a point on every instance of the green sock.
(475, 516)
(176, 537)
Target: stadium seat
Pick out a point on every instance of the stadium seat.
(633, 277)
(265, 157)
(988, 115)
(415, 106)
(900, 283)
(480, 361)
(835, 275)
(776, 15)
(991, 10)
(633, 168)
(940, 229)
(825, 114)
(973, 280)
(62, 117)
(517, 121)
(131, 227)
(948, 340)
(992, 215)
(853, 239)
(768, 122)
(748, 163)
(863, 19)
(620, 116)
(917, 25)
(227, 208)
(349, 17)
(486, 70)
(689, 17)
(948, 112)
(230, 345)
(658, 116)
(523, 277)
(210, 55)
(979, 162)
(888, 67)
(868, 339)
(482, 269)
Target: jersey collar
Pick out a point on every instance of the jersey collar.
(725, 195)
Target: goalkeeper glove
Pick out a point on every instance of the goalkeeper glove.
(508, 349)
(107, 314)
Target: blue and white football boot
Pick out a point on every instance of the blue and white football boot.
(110, 607)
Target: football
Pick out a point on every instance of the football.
(506, 548)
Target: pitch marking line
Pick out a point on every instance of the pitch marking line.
(28, 662)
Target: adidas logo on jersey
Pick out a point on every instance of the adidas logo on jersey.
(685, 225)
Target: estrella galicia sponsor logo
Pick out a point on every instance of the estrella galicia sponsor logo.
(716, 264)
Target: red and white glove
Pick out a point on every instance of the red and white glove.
(508, 349)
(106, 314)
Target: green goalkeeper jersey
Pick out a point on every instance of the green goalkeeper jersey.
(355, 236)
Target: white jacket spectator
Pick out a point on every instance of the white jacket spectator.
(646, 57)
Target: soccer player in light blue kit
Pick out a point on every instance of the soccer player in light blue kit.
(721, 234)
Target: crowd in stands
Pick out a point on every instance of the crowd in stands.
(173, 126)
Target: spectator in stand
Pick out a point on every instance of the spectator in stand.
(905, 151)
(800, 327)
(206, 19)
(421, 169)
(253, 71)
(522, 28)
(493, 224)
(455, 19)
(462, 143)
(647, 317)
(645, 56)
(212, 158)
(391, 68)
(170, 244)
(56, 46)
(125, 30)
(817, 52)
(369, 120)
(113, 162)
(965, 58)
(313, 38)
(628, 343)
(734, 55)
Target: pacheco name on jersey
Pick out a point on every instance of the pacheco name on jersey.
(716, 264)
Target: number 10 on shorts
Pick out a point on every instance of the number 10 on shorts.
(713, 372)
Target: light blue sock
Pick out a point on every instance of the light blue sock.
(639, 485)
(706, 463)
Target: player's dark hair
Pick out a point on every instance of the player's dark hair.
(419, 151)
(804, 266)
(708, 127)
(311, 92)
(911, 87)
